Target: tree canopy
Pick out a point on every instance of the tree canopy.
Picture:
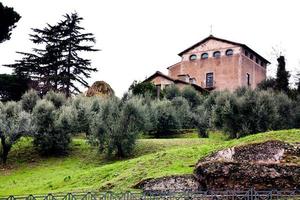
(8, 19)
(56, 63)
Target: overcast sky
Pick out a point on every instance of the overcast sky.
(139, 37)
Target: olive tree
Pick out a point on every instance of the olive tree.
(115, 128)
(29, 100)
(52, 128)
(163, 118)
(14, 123)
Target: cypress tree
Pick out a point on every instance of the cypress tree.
(282, 76)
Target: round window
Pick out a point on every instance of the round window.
(229, 52)
(217, 54)
(193, 57)
(204, 56)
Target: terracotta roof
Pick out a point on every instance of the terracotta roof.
(158, 73)
(227, 41)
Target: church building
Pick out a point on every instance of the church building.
(215, 64)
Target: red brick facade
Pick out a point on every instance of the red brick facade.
(218, 64)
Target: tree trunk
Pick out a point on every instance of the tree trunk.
(5, 150)
(120, 152)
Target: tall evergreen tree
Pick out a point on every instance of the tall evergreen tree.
(72, 41)
(8, 18)
(282, 76)
(56, 63)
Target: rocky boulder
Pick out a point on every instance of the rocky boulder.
(263, 166)
(101, 89)
(170, 183)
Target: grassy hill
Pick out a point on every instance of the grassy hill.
(84, 169)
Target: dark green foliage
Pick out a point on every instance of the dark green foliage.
(163, 118)
(143, 88)
(57, 65)
(171, 92)
(184, 115)
(192, 96)
(285, 112)
(226, 114)
(74, 69)
(12, 87)
(282, 76)
(269, 83)
(202, 120)
(8, 19)
(82, 105)
(297, 112)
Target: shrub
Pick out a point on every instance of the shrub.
(192, 96)
(285, 112)
(116, 127)
(29, 100)
(82, 106)
(171, 92)
(14, 123)
(226, 114)
(269, 83)
(49, 138)
(58, 99)
(163, 118)
(183, 113)
(142, 88)
(201, 117)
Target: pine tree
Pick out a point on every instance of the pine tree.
(282, 76)
(56, 64)
(75, 68)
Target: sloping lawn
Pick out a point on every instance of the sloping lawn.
(84, 169)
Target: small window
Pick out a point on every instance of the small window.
(217, 54)
(248, 79)
(246, 53)
(229, 52)
(257, 60)
(204, 56)
(210, 80)
(251, 56)
(193, 57)
(262, 64)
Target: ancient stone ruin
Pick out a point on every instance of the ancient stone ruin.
(101, 89)
(262, 166)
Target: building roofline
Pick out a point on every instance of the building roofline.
(158, 73)
(222, 40)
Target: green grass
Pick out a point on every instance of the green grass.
(84, 169)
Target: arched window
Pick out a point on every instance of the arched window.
(204, 55)
(229, 52)
(193, 57)
(217, 54)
